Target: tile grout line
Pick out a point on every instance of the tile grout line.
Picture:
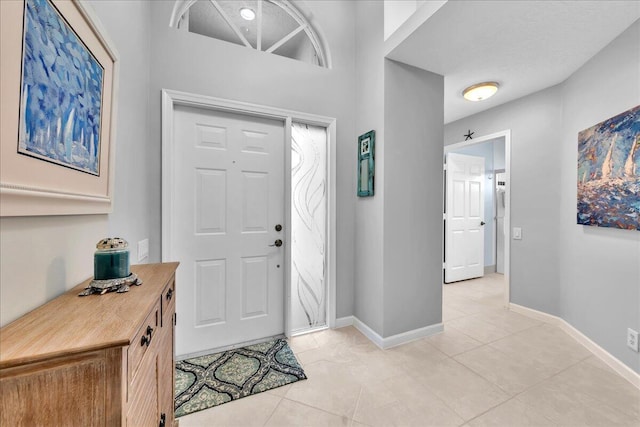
(273, 411)
(318, 409)
(515, 396)
(444, 402)
(355, 410)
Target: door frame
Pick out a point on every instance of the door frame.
(171, 99)
(495, 211)
(506, 134)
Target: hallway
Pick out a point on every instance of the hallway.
(491, 366)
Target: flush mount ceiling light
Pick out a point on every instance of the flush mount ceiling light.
(480, 91)
(247, 14)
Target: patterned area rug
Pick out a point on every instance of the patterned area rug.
(211, 380)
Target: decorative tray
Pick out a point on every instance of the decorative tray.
(111, 285)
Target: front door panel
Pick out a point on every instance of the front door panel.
(229, 195)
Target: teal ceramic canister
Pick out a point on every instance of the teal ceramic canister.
(111, 259)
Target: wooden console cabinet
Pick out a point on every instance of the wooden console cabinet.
(98, 360)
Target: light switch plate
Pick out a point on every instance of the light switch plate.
(517, 233)
(143, 250)
(632, 339)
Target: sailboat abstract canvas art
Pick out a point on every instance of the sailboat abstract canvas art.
(61, 92)
(609, 172)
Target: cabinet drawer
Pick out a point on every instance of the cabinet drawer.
(168, 302)
(144, 339)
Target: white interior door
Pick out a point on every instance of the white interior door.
(228, 198)
(464, 222)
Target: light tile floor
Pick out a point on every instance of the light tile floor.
(490, 366)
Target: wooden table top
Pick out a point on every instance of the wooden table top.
(72, 324)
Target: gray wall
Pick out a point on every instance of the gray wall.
(44, 256)
(369, 211)
(127, 24)
(535, 196)
(599, 267)
(193, 63)
(498, 154)
(34, 270)
(398, 274)
(413, 116)
(588, 276)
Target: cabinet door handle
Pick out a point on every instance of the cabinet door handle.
(163, 420)
(169, 294)
(146, 339)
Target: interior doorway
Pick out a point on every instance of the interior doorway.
(465, 216)
(496, 149)
(205, 303)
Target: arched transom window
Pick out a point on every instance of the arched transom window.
(273, 26)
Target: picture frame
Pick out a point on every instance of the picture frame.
(59, 92)
(366, 164)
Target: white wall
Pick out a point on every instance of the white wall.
(194, 63)
(600, 267)
(396, 12)
(44, 256)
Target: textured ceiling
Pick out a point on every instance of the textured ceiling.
(525, 46)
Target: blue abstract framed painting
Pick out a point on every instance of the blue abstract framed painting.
(59, 87)
(609, 172)
(61, 92)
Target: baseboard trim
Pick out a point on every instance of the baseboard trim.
(602, 354)
(343, 322)
(413, 335)
(368, 332)
(395, 340)
(489, 269)
(538, 315)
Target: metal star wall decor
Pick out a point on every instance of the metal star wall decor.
(468, 135)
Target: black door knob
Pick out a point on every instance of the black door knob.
(277, 243)
(482, 222)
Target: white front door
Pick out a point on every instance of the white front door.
(228, 192)
(464, 217)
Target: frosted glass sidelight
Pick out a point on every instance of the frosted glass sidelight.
(308, 226)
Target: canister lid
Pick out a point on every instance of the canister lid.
(112, 243)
